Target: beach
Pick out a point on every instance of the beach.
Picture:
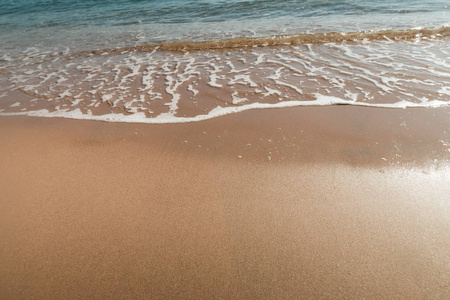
(224, 149)
(308, 202)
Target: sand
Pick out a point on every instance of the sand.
(309, 202)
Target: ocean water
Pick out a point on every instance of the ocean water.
(156, 61)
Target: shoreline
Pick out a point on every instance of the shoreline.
(167, 87)
(324, 202)
(344, 134)
(167, 118)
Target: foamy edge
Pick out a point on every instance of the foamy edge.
(168, 118)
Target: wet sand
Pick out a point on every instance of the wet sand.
(308, 202)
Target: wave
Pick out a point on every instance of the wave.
(186, 81)
(284, 40)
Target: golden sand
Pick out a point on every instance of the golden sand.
(331, 202)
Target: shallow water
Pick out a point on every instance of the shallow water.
(176, 61)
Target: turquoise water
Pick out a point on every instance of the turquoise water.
(91, 24)
(26, 14)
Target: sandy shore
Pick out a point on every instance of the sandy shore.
(310, 202)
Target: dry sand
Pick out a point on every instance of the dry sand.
(310, 202)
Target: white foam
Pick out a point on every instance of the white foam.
(243, 79)
(213, 81)
(140, 117)
(298, 90)
(271, 92)
(236, 99)
(141, 82)
(191, 89)
(445, 90)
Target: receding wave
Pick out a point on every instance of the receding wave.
(179, 82)
(291, 39)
